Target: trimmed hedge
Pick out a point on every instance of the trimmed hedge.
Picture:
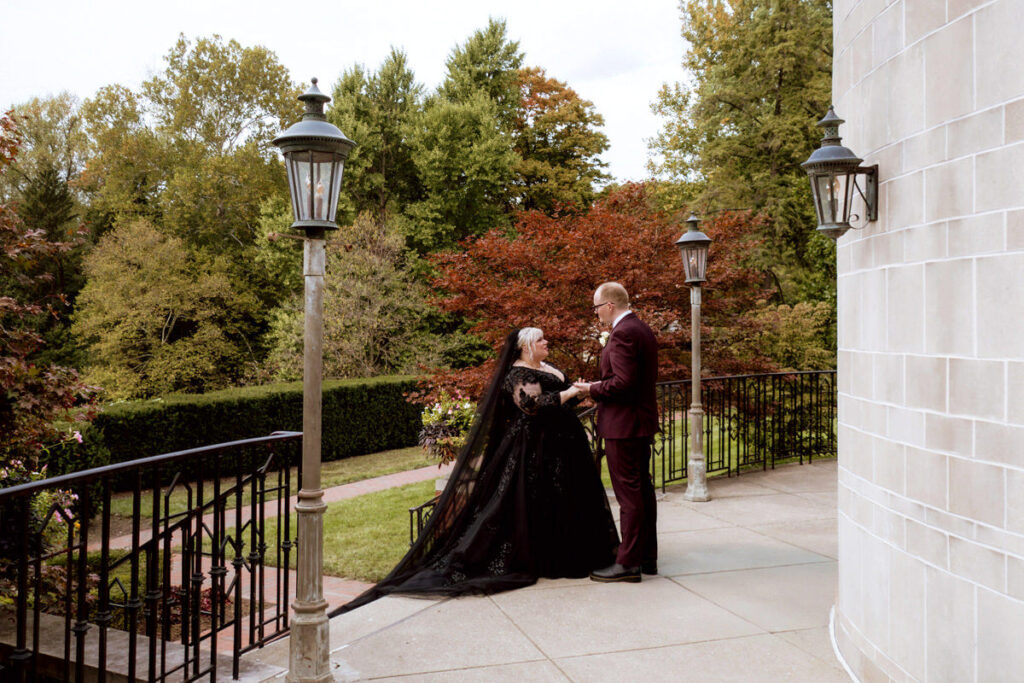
(359, 416)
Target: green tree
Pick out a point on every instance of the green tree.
(377, 110)
(736, 133)
(376, 316)
(466, 164)
(127, 161)
(190, 155)
(487, 62)
(555, 136)
(53, 137)
(159, 316)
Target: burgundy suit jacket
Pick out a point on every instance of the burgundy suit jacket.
(627, 402)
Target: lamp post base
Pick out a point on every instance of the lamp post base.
(310, 661)
(696, 482)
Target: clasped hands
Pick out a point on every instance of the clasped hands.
(582, 387)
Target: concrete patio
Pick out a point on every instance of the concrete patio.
(747, 581)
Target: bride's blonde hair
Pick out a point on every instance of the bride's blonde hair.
(528, 338)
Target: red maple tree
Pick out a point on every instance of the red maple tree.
(32, 397)
(544, 272)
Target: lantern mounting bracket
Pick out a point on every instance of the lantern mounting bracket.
(870, 191)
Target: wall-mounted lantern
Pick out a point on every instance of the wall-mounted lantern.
(833, 171)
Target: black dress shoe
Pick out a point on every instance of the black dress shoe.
(650, 567)
(616, 572)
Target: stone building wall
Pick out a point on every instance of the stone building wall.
(931, 342)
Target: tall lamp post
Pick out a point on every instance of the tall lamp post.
(693, 246)
(314, 153)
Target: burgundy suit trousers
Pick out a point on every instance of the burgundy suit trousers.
(629, 466)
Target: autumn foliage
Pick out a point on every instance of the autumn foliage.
(31, 396)
(544, 272)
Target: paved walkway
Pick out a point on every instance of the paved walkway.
(747, 581)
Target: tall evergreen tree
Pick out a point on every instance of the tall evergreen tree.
(377, 111)
(736, 133)
(465, 163)
(487, 62)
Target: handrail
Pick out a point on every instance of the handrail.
(182, 582)
(67, 480)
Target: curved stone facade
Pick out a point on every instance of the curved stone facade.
(931, 342)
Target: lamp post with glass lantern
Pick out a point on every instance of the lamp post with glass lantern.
(314, 153)
(693, 246)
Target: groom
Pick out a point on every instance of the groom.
(627, 419)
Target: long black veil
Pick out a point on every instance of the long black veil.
(468, 483)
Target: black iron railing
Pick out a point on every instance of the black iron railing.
(174, 578)
(750, 421)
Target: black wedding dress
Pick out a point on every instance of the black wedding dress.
(523, 501)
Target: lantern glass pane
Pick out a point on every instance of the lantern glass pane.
(695, 263)
(832, 195)
(314, 187)
(335, 188)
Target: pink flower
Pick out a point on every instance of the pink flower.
(78, 436)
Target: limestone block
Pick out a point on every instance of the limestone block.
(950, 434)
(1000, 625)
(1014, 113)
(1015, 577)
(1000, 303)
(905, 201)
(975, 235)
(1002, 48)
(949, 70)
(888, 33)
(874, 319)
(977, 388)
(977, 491)
(950, 624)
(976, 133)
(1000, 443)
(927, 482)
(923, 17)
(999, 178)
(906, 425)
(905, 287)
(875, 566)
(977, 563)
(924, 149)
(949, 307)
(906, 605)
(1015, 394)
(888, 378)
(888, 248)
(1015, 230)
(861, 374)
(925, 243)
(931, 545)
(890, 464)
(949, 189)
(1015, 501)
(926, 382)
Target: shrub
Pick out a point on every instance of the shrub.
(359, 416)
(445, 425)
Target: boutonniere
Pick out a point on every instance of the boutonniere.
(604, 337)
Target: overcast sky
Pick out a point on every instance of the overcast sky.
(616, 54)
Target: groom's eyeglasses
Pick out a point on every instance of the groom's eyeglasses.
(597, 306)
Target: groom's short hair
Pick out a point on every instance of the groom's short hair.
(615, 293)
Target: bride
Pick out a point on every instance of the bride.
(524, 500)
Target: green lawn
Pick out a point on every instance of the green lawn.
(364, 537)
(334, 473)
